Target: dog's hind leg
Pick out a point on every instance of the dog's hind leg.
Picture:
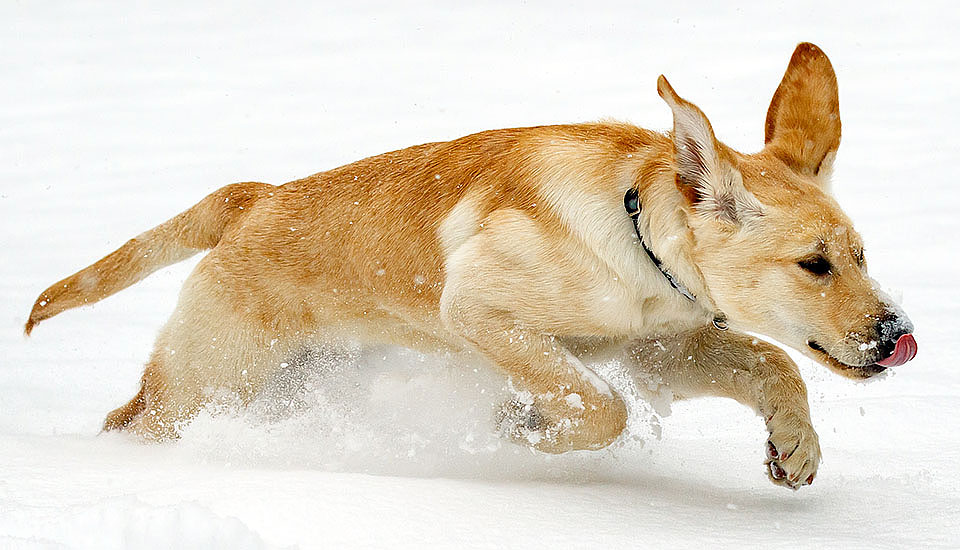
(120, 417)
(710, 362)
(208, 346)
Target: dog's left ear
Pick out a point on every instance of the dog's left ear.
(803, 121)
(708, 180)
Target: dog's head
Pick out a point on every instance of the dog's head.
(777, 253)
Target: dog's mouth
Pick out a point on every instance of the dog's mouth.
(850, 371)
(905, 350)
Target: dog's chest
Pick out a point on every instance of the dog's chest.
(634, 304)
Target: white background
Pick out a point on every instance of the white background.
(113, 118)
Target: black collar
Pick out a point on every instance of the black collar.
(631, 202)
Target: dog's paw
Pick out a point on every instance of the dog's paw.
(521, 422)
(561, 424)
(792, 450)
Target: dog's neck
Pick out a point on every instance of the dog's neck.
(663, 232)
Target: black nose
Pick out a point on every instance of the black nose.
(890, 328)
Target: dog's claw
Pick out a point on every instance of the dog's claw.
(792, 451)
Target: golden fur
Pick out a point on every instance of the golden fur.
(515, 244)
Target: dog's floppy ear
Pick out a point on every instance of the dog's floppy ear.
(803, 121)
(709, 182)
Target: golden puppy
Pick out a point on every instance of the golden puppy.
(536, 247)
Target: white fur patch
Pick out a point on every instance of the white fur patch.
(461, 223)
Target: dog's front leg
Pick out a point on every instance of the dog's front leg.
(710, 362)
(562, 406)
(501, 298)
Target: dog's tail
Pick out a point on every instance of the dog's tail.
(199, 228)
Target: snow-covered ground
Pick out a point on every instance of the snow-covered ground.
(114, 117)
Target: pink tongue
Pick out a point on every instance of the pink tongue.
(905, 350)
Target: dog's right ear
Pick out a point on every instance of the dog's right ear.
(803, 121)
(694, 143)
(709, 182)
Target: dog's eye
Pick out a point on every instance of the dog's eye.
(818, 265)
(859, 257)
